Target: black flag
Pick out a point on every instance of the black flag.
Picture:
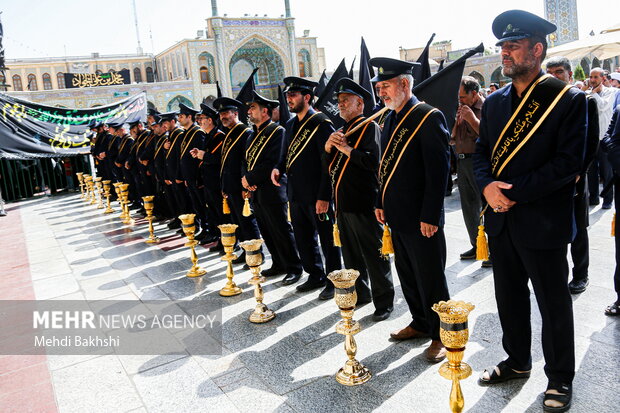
(352, 66)
(425, 70)
(442, 89)
(285, 114)
(365, 75)
(440, 68)
(245, 95)
(322, 83)
(219, 91)
(327, 102)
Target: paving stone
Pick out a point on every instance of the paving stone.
(54, 287)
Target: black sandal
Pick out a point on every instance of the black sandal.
(505, 374)
(565, 396)
(613, 309)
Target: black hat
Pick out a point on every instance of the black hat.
(94, 124)
(268, 103)
(115, 125)
(133, 123)
(152, 112)
(519, 24)
(388, 68)
(157, 119)
(186, 110)
(168, 116)
(298, 84)
(223, 104)
(207, 111)
(346, 85)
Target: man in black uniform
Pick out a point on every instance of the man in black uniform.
(263, 152)
(611, 145)
(529, 154)
(173, 155)
(413, 175)
(210, 162)
(157, 168)
(146, 155)
(353, 163)
(189, 170)
(98, 150)
(579, 248)
(124, 151)
(308, 188)
(136, 186)
(233, 150)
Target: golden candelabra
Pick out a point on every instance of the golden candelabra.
(228, 241)
(80, 177)
(148, 207)
(353, 372)
(119, 196)
(454, 334)
(106, 191)
(187, 223)
(125, 194)
(254, 259)
(99, 187)
(91, 190)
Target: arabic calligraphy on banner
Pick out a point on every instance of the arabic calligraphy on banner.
(82, 80)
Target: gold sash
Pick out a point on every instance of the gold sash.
(258, 144)
(525, 121)
(230, 143)
(173, 138)
(397, 144)
(300, 141)
(185, 143)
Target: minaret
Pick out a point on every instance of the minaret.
(220, 53)
(214, 8)
(135, 20)
(290, 26)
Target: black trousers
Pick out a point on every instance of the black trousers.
(183, 203)
(600, 170)
(215, 213)
(199, 206)
(420, 263)
(579, 248)
(308, 229)
(278, 235)
(617, 241)
(148, 182)
(248, 228)
(513, 266)
(360, 234)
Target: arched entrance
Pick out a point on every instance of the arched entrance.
(478, 77)
(255, 53)
(585, 65)
(174, 103)
(499, 78)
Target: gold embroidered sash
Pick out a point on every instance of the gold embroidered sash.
(259, 143)
(173, 138)
(302, 138)
(534, 108)
(398, 143)
(230, 143)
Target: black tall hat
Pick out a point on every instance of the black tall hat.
(388, 68)
(520, 24)
(186, 110)
(298, 84)
(346, 85)
(208, 111)
(223, 104)
(268, 103)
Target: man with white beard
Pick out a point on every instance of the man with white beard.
(413, 175)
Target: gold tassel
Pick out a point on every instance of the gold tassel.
(246, 207)
(387, 247)
(288, 212)
(482, 246)
(613, 226)
(337, 242)
(225, 207)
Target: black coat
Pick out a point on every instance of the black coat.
(416, 191)
(212, 160)
(269, 158)
(230, 176)
(542, 173)
(173, 154)
(189, 171)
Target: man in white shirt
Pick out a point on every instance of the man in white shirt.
(604, 97)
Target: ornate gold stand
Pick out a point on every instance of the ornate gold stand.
(125, 195)
(187, 223)
(228, 241)
(454, 334)
(91, 191)
(99, 187)
(119, 196)
(106, 191)
(148, 207)
(80, 177)
(353, 372)
(254, 259)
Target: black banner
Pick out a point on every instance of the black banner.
(29, 130)
(82, 80)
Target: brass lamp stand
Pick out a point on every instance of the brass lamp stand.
(254, 259)
(228, 241)
(187, 223)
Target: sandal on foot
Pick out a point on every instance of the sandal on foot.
(563, 398)
(505, 374)
(613, 309)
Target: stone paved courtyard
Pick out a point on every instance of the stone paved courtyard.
(61, 248)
